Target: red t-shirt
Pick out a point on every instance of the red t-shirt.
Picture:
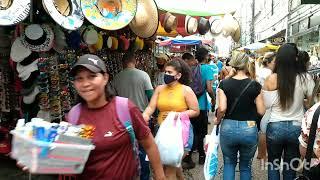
(113, 157)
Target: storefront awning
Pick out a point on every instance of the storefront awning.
(259, 47)
(198, 7)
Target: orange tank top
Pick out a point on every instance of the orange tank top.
(171, 99)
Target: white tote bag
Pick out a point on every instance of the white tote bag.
(169, 141)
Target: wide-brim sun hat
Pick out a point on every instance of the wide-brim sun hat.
(14, 12)
(38, 38)
(145, 22)
(67, 14)
(230, 25)
(109, 15)
(18, 51)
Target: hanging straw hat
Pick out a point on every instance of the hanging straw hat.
(187, 25)
(215, 25)
(38, 38)
(230, 25)
(169, 22)
(109, 14)
(13, 12)
(236, 36)
(203, 25)
(66, 13)
(145, 23)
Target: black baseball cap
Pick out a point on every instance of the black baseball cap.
(91, 62)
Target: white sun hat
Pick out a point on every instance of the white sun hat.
(38, 38)
(71, 17)
(14, 11)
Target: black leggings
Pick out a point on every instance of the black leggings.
(200, 130)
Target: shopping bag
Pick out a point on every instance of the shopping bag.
(187, 131)
(169, 141)
(210, 168)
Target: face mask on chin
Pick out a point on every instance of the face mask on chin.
(168, 78)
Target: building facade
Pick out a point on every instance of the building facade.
(303, 26)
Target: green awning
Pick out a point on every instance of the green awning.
(198, 7)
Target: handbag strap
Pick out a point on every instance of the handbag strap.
(236, 101)
(311, 139)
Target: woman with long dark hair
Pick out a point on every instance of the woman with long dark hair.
(284, 93)
(174, 96)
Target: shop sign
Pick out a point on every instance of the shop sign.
(278, 40)
(304, 25)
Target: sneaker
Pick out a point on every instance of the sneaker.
(202, 159)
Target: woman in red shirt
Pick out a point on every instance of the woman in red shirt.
(113, 157)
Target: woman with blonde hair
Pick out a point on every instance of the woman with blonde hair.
(240, 100)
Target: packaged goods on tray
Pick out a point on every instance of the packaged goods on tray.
(50, 148)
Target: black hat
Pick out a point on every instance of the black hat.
(91, 62)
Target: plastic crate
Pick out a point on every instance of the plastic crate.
(49, 158)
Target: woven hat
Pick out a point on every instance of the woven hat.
(74, 39)
(145, 23)
(109, 14)
(215, 25)
(99, 43)
(13, 12)
(230, 25)
(187, 25)
(115, 43)
(138, 44)
(38, 38)
(169, 22)
(18, 51)
(203, 25)
(67, 14)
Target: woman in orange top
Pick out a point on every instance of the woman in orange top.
(174, 96)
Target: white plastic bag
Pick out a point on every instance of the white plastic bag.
(169, 141)
(210, 168)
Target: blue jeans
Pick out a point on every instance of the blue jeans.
(282, 141)
(145, 170)
(238, 136)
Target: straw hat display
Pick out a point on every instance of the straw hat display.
(109, 14)
(67, 14)
(187, 25)
(162, 32)
(145, 23)
(168, 22)
(17, 10)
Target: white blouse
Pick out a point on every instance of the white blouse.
(296, 111)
